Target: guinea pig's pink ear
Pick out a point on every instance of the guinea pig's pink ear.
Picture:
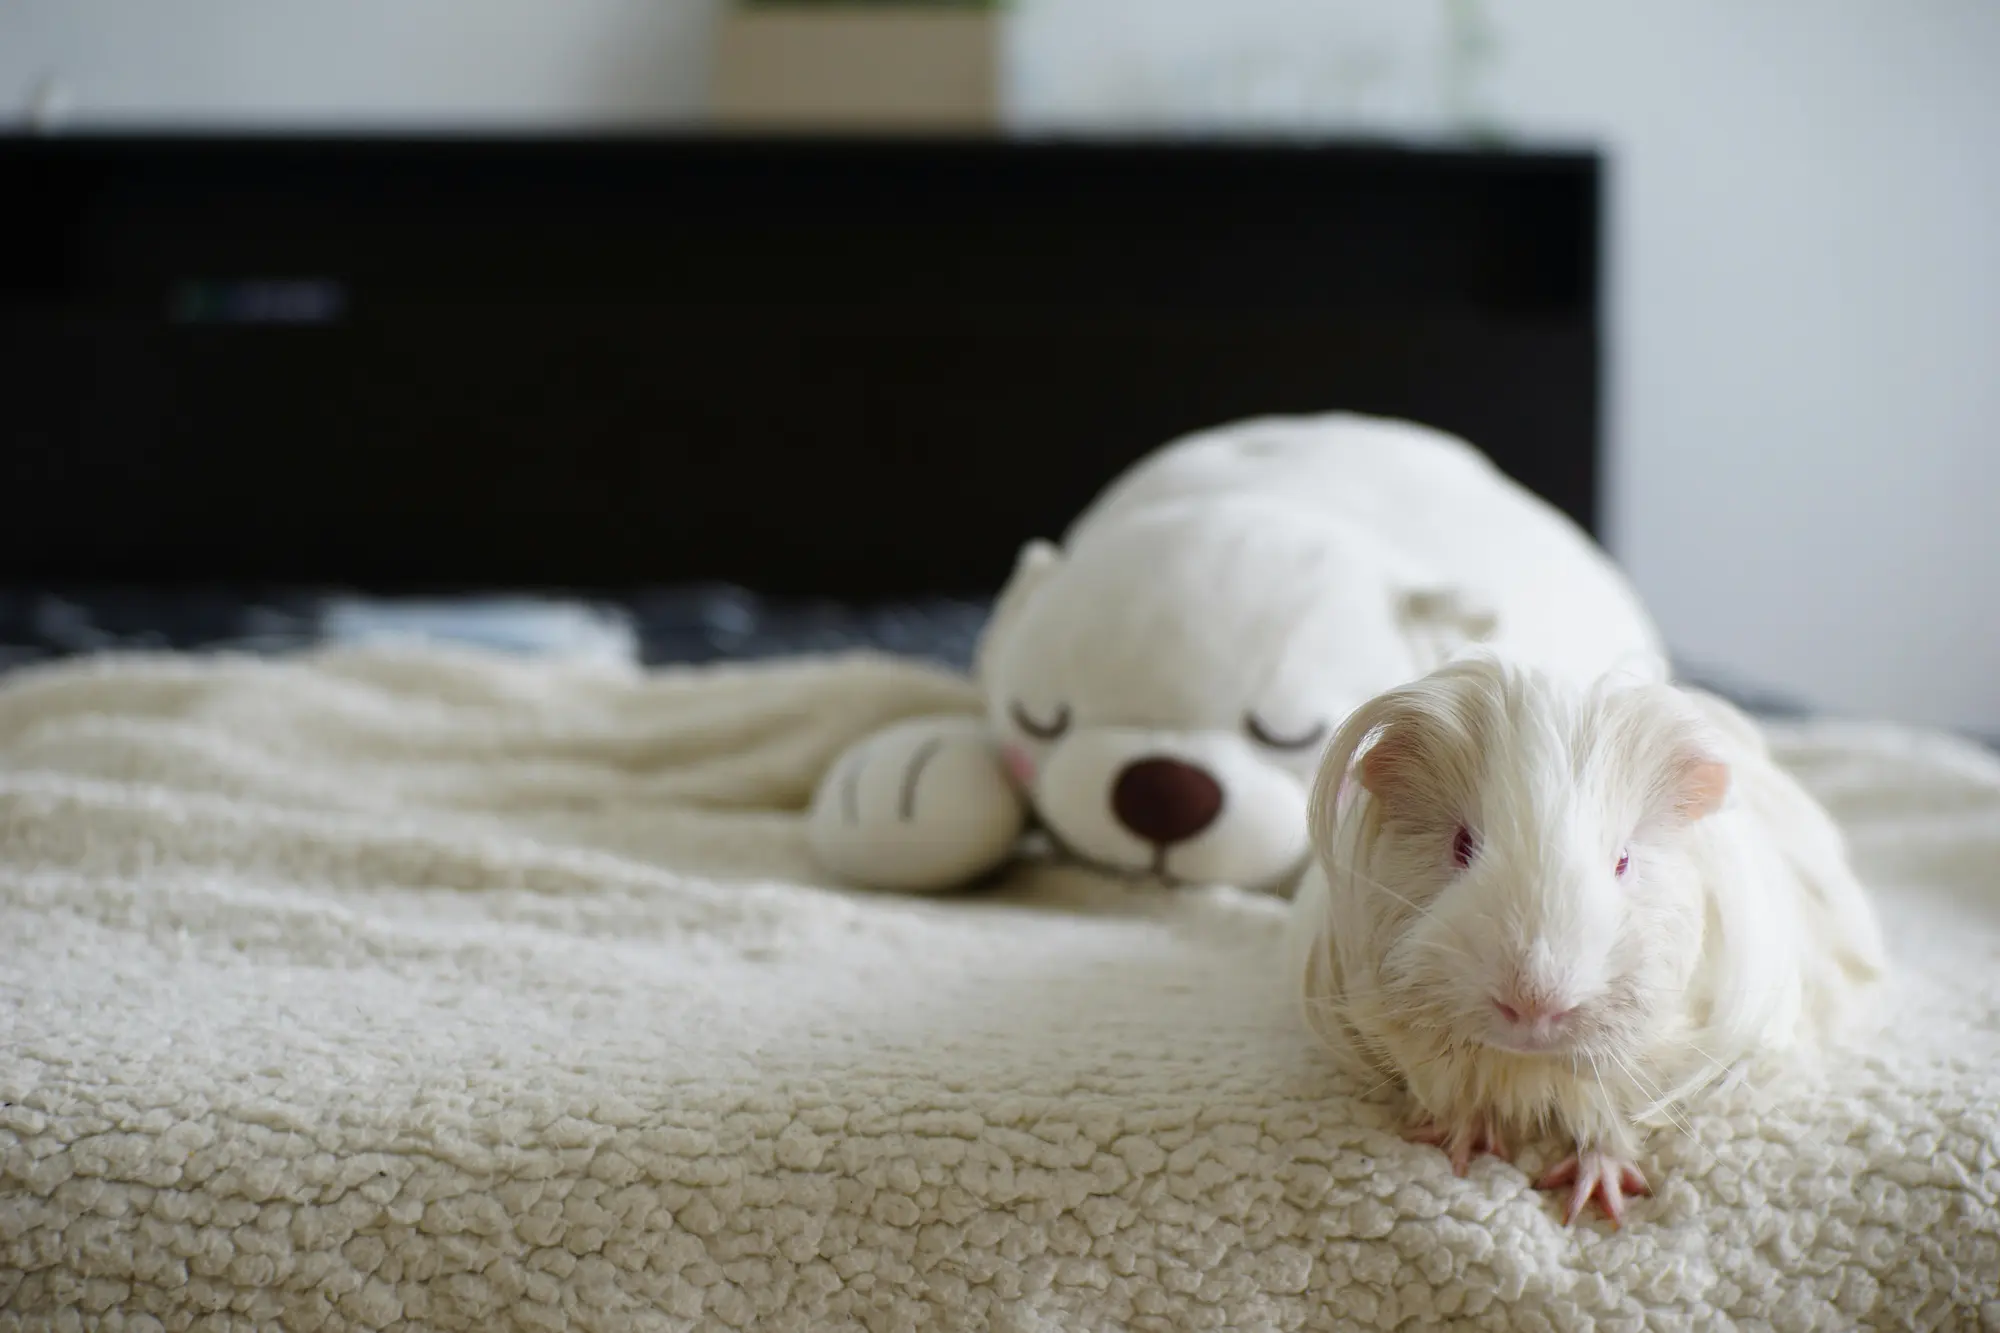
(1701, 784)
(1419, 766)
(1427, 737)
(1393, 760)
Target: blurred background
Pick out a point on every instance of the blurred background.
(1803, 225)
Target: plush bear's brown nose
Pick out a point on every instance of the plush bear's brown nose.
(1164, 800)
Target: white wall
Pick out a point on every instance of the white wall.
(1806, 202)
(357, 62)
(1806, 284)
(1808, 329)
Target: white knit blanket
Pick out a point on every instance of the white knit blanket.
(419, 991)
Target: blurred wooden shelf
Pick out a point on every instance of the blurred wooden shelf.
(861, 367)
(854, 67)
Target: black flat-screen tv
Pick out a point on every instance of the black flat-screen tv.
(864, 369)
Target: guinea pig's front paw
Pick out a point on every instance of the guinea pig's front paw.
(1589, 1174)
(1461, 1141)
(923, 804)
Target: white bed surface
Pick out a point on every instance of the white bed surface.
(388, 988)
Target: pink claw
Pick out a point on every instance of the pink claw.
(1595, 1175)
(1463, 1142)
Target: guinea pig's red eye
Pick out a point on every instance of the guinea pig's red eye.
(1463, 846)
(1624, 863)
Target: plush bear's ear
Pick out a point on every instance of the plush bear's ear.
(1440, 622)
(1037, 562)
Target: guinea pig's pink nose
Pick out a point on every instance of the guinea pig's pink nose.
(1532, 1010)
(1164, 800)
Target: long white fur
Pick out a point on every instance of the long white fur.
(1734, 935)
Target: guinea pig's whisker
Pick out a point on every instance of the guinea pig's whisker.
(1632, 1075)
(1368, 881)
(1597, 1076)
(1364, 1096)
(1684, 1129)
(1418, 1018)
(1662, 1104)
(1675, 1111)
(1387, 1006)
(1346, 1016)
(1443, 947)
(1735, 1074)
(1369, 1005)
(1717, 1065)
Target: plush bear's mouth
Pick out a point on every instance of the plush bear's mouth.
(1156, 871)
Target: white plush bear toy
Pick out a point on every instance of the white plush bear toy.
(1159, 689)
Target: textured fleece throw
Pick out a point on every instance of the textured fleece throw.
(380, 990)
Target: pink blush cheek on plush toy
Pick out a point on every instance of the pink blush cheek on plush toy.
(1020, 766)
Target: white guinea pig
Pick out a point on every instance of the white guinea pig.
(1552, 907)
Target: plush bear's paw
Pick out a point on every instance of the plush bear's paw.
(924, 804)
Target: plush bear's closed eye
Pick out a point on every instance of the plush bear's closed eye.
(1301, 740)
(1057, 724)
